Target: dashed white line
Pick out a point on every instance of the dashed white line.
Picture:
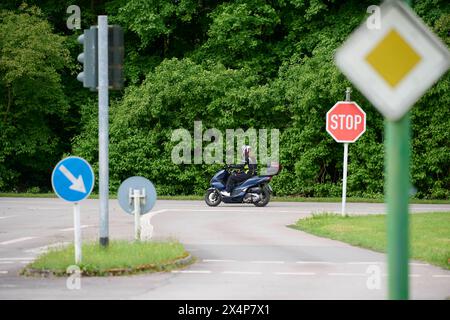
(369, 263)
(71, 229)
(346, 274)
(43, 249)
(242, 272)
(16, 259)
(191, 271)
(3, 272)
(6, 217)
(46, 208)
(16, 240)
(295, 273)
(315, 262)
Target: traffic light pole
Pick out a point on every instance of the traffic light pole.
(103, 127)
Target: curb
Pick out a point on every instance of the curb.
(149, 268)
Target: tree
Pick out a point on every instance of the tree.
(32, 101)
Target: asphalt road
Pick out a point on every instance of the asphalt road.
(243, 252)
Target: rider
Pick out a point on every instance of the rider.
(247, 170)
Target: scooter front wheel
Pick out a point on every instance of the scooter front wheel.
(212, 198)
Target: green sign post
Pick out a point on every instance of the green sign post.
(393, 66)
(397, 158)
(397, 154)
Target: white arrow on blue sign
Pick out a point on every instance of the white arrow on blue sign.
(73, 179)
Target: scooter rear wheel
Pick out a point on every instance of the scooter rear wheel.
(212, 198)
(264, 199)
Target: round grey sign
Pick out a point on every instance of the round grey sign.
(136, 183)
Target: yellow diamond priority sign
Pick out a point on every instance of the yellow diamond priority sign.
(394, 65)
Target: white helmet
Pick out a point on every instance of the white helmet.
(245, 151)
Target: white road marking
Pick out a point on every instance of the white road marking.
(413, 275)
(16, 259)
(269, 262)
(7, 286)
(315, 262)
(295, 273)
(44, 249)
(191, 271)
(16, 240)
(3, 272)
(441, 276)
(71, 229)
(47, 208)
(347, 274)
(369, 263)
(146, 225)
(6, 217)
(218, 260)
(241, 272)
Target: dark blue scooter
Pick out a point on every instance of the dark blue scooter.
(254, 190)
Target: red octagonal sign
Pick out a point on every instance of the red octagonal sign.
(346, 121)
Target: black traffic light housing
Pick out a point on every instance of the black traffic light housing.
(116, 57)
(89, 58)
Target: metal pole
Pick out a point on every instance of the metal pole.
(137, 214)
(344, 180)
(77, 232)
(397, 199)
(103, 127)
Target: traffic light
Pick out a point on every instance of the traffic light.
(89, 58)
(115, 57)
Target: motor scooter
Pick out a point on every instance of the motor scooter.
(255, 190)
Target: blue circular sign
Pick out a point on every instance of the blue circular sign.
(73, 179)
(136, 183)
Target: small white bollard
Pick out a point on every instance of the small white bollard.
(135, 197)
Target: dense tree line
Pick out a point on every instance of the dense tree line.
(231, 64)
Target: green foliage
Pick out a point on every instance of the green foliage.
(231, 64)
(32, 101)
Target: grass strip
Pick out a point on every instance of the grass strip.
(429, 233)
(119, 258)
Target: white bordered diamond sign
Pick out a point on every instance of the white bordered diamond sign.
(394, 65)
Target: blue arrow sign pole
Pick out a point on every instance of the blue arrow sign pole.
(73, 181)
(77, 232)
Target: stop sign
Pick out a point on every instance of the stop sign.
(346, 121)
